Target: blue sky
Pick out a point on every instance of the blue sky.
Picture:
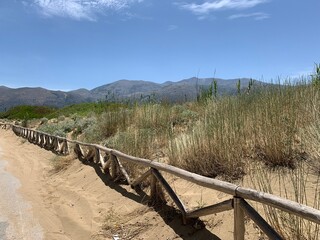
(71, 44)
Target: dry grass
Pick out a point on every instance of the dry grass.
(124, 227)
(60, 163)
(299, 185)
(218, 137)
(263, 125)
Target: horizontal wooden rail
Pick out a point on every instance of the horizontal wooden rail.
(111, 164)
(216, 208)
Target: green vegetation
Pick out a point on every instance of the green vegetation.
(85, 109)
(62, 126)
(316, 75)
(37, 112)
(27, 112)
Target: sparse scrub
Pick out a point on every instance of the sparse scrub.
(84, 109)
(58, 128)
(82, 124)
(43, 120)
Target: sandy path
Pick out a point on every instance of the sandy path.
(77, 202)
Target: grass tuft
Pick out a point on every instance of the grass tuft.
(60, 163)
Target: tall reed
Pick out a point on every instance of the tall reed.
(299, 185)
(265, 125)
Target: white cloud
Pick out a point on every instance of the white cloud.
(210, 6)
(80, 9)
(172, 27)
(255, 16)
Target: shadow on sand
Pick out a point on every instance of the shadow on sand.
(170, 215)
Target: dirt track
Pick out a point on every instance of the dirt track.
(77, 202)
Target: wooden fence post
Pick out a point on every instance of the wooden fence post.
(239, 228)
(114, 169)
(156, 193)
(65, 148)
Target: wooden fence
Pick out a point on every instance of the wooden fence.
(110, 161)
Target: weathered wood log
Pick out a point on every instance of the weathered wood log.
(51, 146)
(97, 156)
(59, 146)
(114, 168)
(103, 161)
(47, 142)
(216, 208)
(42, 140)
(123, 171)
(51, 140)
(280, 203)
(106, 165)
(30, 137)
(239, 227)
(54, 145)
(263, 225)
(78, 151)
(156, 193)
(139, 180)
(90, 155)
(65, 147)
(171, 193)
(34, 137)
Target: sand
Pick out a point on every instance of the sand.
(80, 203)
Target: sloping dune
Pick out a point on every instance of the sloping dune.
(80, 203)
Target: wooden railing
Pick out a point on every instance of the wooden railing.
(110, 161)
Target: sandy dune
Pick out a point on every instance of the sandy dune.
(81, 203)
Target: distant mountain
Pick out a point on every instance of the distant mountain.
(10, 97)
(184, 90)
(125, 89)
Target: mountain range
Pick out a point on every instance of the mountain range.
(184, 90)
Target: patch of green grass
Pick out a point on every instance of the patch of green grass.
(27, 112)
(85, 109)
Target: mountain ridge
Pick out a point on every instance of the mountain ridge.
(124, 89)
